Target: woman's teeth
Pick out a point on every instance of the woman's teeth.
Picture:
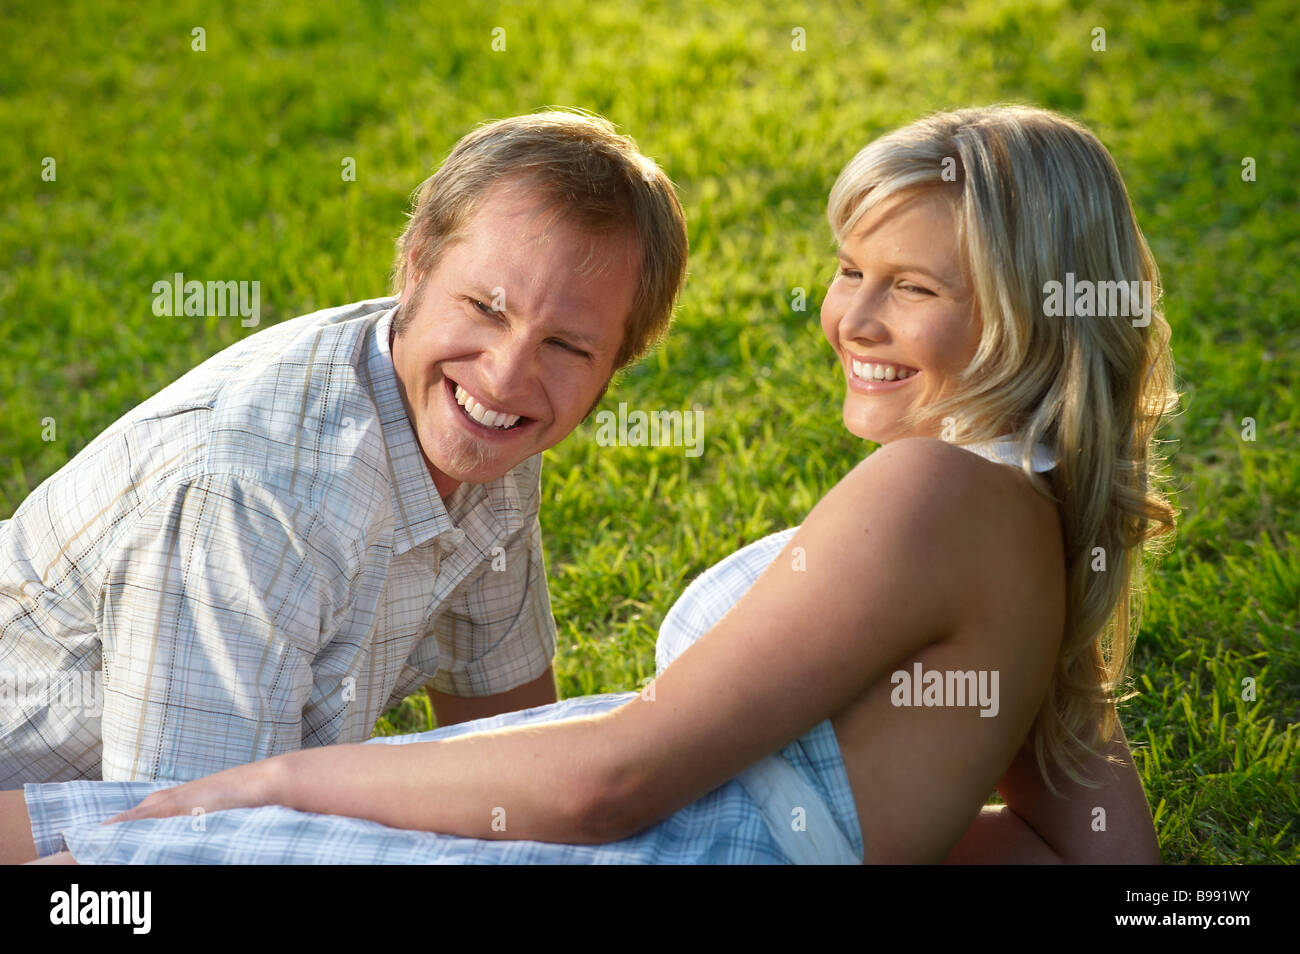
(879, 372)
(495, 419)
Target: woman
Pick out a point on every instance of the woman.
(938, 626)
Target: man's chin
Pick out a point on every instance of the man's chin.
(478, 461)
(482, 471)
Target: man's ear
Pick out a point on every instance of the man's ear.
(413, 275)
(599, 397)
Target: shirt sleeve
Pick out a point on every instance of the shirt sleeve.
(212, 610)
(497, 631)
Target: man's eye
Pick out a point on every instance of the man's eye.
(485, 309)
(570, 348)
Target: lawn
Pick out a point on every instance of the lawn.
(227, 162)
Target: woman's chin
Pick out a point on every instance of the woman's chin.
(864, 429)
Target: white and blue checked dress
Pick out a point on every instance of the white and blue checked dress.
(749, 820)
(792, 807)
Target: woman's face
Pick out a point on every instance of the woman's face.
(900, 314)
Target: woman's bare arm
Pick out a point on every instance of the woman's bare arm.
(1107, 825)
(795, 650)
(999, 836)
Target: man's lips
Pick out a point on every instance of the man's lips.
(449, 386)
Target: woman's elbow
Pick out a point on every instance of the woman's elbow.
(609, 805)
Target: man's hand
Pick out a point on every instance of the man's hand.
(245, 786)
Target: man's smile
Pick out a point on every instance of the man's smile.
(482, 417)
(521, 383)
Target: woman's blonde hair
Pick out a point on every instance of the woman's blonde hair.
(1038, 199)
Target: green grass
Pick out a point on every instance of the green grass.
(226, 163)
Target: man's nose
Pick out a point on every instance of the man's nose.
(510, 370)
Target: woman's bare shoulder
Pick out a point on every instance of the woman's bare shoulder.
(997, 571)
(998, 533)
(999, 575)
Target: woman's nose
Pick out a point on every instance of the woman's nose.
(863, 317)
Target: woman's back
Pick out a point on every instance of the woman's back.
(907, 732)
(1011, 597)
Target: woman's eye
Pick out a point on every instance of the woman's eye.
(848, 272)
(915, 289)
(484, 309)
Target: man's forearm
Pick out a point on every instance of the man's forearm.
(16, 844)
(451, 710)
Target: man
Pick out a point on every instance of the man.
(313, 523)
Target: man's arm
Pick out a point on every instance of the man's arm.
(1036, 827)
(211, 612)
(16, 845)
(496, 632)
(452, 709)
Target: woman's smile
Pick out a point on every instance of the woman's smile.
(869, 377)
(899, 313)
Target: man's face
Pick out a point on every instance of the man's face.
(513, 340)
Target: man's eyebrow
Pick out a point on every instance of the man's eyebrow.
(570, 335)
(579, 338)
(480, 291)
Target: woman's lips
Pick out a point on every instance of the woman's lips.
(865, 386)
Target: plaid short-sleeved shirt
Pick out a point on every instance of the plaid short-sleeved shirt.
(255, 560)
(748, 820)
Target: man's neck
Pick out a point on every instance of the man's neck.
(444, 484)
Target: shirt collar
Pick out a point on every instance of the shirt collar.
(419, 511)
(1007, 448)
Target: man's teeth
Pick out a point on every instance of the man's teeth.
(498, 419)
(879, 372)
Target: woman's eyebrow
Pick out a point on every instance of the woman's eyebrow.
(896, 266)
(914, 267)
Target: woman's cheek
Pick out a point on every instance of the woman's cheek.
(828, 313)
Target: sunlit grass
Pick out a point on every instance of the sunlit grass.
(226, 164)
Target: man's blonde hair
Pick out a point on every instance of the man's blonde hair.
(591, 175)
(1035, 196)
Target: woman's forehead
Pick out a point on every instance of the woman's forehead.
(917, 230)
(925, 222)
